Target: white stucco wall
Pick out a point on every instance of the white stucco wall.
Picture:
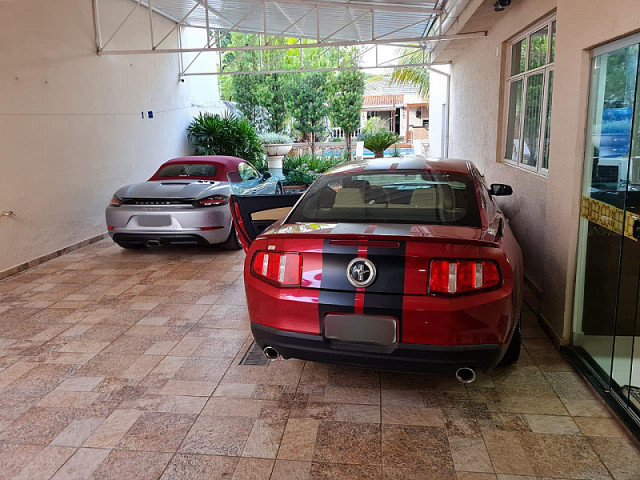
(437, 111)
(71, 129)
(544, 211)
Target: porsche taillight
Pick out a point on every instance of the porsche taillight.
(452, 277)
(282, 269)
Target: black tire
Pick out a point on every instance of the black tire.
(512, 354)
(278, 189)
(233, 241)
(130, 247)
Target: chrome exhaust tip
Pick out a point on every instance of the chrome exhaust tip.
(465, 375)
(153, 243)
(270, 352)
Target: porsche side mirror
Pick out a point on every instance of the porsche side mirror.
(500, 190)
(266, 175)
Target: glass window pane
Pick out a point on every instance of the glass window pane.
(518, 55)
(539, 45)
(553, 41)
(532, 119)
(547, 127)
(513, 126)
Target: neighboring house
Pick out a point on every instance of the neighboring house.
(402, 107)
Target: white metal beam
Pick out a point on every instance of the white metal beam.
(364, 5)
(350, 43)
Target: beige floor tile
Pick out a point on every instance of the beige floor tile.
(299, 440)
(211, 435)
(253, 469)
(113, 429)
(80, 384)
(470, 455)
(198, 467)
(264, 439)
(619, 455)
(189, 388)
(402, 415)
(121, 465)
(13, 458)
(335, 471)
(345, 442)
(291, 470)
(239, 407)
(157, 431)
(358, 413)
(554, 424)
(45, 463)
(600, 427)
(82, 464)
(77, 432)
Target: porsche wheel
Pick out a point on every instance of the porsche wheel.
(233, 242)
(512, 354)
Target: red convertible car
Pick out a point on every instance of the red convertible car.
(402, 264)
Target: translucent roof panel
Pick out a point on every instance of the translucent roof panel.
(326, 20)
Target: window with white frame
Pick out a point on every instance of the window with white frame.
(529, 87)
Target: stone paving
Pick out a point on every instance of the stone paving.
(122, 364)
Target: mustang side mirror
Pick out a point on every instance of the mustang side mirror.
(266, 175)
(500, 190)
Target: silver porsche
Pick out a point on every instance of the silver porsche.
(185, 202)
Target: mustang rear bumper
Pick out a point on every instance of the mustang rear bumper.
(406, 357)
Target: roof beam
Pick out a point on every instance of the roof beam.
(384, 7)
(407, 40)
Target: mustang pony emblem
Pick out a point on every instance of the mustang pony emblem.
(361, 272)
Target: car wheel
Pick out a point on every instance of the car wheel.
(233, 241)
(130, 246)
(278, 189)
(512, 354)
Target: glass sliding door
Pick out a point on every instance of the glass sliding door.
(606, 308)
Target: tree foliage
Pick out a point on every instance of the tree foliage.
(307, 102)
(414, 76)
(346, 89)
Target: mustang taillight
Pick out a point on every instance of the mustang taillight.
(451, 277)
(212, 201)
(283, 269)
(115, 202)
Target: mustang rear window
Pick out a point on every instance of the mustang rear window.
(188, 170)
(430, 198)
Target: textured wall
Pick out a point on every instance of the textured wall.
(71, 130)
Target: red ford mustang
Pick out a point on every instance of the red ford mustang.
(403, 264)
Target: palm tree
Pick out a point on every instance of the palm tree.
(415, 76)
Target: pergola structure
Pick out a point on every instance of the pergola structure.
(319, 24)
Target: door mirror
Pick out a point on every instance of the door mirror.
(266, 175)
(500, 190)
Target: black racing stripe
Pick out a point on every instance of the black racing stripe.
(386, 295)
(337, 295)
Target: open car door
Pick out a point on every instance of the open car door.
(254, 214)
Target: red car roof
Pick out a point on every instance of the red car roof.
(224, 164)
(404, 163)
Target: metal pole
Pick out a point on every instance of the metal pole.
(318, 23)
(181, 59)
(153, 47)
(206, 19)
(174, 28)
(96, 22)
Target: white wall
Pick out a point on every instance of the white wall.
(71, 130)
(437, 111)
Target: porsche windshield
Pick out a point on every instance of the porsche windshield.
(432, 198)
(188, 170)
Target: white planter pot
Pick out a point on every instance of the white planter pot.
(280, 149)
(275, 154)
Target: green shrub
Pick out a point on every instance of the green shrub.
(225, 135)
(315, 163)
(300, 176)
(373, 125)
(274, 138)
(379, 142)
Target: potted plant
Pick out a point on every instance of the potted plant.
(379, 142)
(276, 146)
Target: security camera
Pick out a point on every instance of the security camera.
(500, 5)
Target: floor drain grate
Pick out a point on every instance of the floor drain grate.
(254, 356)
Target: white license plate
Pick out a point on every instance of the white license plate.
(154, 221)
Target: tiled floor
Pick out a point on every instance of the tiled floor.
(125, 364)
